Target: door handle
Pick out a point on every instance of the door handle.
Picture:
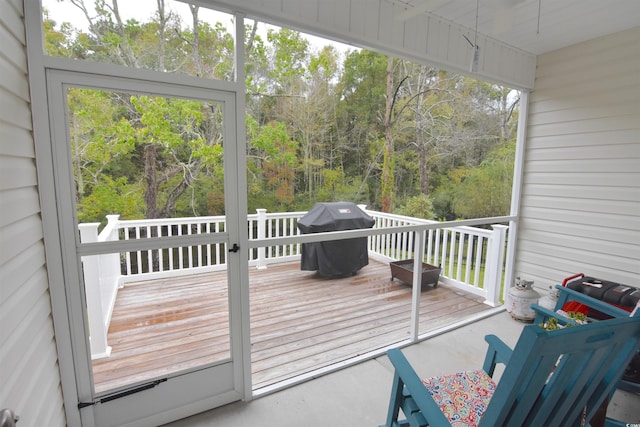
(234, 248)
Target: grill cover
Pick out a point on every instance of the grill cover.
(337, 257)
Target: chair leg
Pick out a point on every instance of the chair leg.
(395, 402)
(598, 419)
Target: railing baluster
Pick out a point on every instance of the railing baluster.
(467, 271)
(208, 228)
(392, 246)
(127, 254)
(452, 252)
(199, 247)
(170, 250)
(461, 240)
(269, 235)
(278, 248)
(478, 264)
(149, 252)
(217, 247)
(445, 245)
(180, 251)
(138, 253)
(189, 261)
(160, 250)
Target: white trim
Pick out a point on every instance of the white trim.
(516, 189)
(47, 195)
(67, 247)
(244, 334)
(58, 81)
(148, 77)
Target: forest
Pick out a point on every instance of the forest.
(323, 124)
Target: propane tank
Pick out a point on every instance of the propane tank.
(550, 300)
(520, 298)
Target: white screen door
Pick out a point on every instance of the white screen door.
(146, 187)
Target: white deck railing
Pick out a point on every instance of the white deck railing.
(471, 258)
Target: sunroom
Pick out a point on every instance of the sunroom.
(575, 205)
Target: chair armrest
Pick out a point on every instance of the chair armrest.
(410, 387)
(498, 352)
(543, 314)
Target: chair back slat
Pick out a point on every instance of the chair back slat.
(553, 375)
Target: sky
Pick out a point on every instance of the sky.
(142, 10)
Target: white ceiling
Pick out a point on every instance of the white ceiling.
(561, 23)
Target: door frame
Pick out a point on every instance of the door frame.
(77, 349)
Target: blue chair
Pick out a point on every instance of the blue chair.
(551, 378)
(567, 295)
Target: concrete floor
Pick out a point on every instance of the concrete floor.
(359, 395)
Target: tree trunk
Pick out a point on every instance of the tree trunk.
(129, 57)
(196, 40)
(387, 165)
(420, 142)
(162, 21)
(151, 193)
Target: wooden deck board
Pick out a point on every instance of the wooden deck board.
(299, 322)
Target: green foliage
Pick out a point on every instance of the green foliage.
(478, 192)
(552, 324)
(418, 207)
(273, 160)
(315, 126)
(289, 57)
(112, 196)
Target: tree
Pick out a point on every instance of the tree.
(170, 143)
(361, 93)
(388, 165)
(275, 156)
(486, 190)
(369, 128)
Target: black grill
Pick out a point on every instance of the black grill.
(337, 257)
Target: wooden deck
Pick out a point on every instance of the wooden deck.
(299, 322)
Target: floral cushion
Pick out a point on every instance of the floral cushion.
(462, 397)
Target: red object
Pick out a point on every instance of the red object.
(574, 306)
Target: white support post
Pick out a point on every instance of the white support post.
(262, 234)
(363, 208)
(91, 272)
(493, 264)
(109, 270)
(516, 191)
(417, 287)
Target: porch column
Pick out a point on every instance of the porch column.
(418, 256)
(493, 264)
(262, 234)
(91, 273)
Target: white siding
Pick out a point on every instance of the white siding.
(580, 206)
(29, 374)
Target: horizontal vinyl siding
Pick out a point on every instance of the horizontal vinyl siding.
(29, 371)
(580, 205)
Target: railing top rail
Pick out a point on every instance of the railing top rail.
(170, 221)
(400, 217)
(410, 224)
(112, 226)
(286, 214)
(351, 234)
